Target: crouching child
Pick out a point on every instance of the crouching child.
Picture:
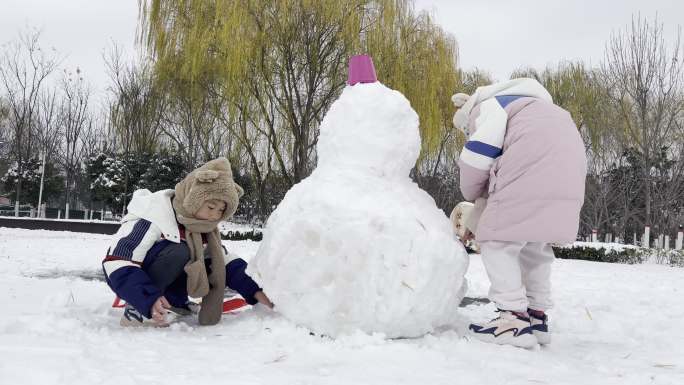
(168, 248)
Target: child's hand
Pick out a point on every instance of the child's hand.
(159, 310)
(263, 299)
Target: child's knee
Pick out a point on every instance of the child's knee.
(177, 254)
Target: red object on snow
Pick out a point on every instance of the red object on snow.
(118, 302)
(233, 304)
(228, 305)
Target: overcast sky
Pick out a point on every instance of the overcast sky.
(502, 35)
(79, 30)
(494, 35)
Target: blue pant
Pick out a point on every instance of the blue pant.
(165, 269)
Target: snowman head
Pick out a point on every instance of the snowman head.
(370, 129)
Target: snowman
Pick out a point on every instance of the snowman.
(357, 246)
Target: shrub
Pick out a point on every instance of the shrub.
(668, 257)
(626, 255)
(585, 253)
(234, 235)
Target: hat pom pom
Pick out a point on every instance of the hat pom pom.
(206, 176)
(460, 99)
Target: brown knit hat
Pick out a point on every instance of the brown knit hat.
(212, 180)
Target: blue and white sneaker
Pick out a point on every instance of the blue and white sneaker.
(131, 317)
(540, 328)
(509, 328)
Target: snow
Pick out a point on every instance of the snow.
(357, 245)
(59, 220)
(603, 245)
(613, 324)
(225, 227)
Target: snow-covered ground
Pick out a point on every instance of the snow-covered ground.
(613, 324)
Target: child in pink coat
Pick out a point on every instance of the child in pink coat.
(525, 156)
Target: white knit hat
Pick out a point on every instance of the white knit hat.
(460, 99)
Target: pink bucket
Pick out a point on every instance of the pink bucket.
(361, 70)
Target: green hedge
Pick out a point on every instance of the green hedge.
(670, 257)
(630, 256)
(626, 255)
(234, 235)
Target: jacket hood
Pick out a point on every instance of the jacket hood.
(156, 208)
(518, 87)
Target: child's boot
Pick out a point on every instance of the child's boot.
(510, 328)
(540, 329)
(189, 308)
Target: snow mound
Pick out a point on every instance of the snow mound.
(357, 245)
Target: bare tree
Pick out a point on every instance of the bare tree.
(645, 79)
(189, 121)
(24, 68)
(136, 110)
(96, 137)
(75, 118)
(4, 128)
(48, 127)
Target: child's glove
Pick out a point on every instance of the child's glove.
(458, 218)
(465, 217)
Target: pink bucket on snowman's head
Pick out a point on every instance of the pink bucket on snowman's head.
(361, 70)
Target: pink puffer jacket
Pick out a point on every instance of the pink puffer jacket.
(536, 185)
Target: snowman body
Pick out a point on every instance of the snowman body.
(357, 245)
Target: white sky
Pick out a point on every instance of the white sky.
(501, 35)
(494, 35)
(79, 30)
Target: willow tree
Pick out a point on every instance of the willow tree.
(415, 56)
(577, 89)
(273, 68)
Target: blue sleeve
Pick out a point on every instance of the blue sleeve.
(238, 280)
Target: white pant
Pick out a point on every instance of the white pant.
(520, 273)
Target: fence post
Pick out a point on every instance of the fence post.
(680, 239)
(609, 238)
(667, 242)
(66, 213)
(647, 237)
(594, 235)
(59, 214)
(85, 214)
(16, 209)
